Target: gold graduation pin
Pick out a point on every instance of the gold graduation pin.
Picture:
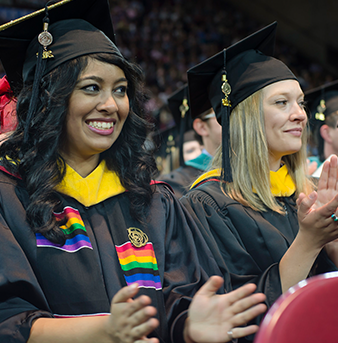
(137, 237)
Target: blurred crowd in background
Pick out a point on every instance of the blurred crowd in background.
(167, 37)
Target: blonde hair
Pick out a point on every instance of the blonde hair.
(249, 158)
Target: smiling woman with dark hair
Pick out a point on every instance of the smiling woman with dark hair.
(91, 249)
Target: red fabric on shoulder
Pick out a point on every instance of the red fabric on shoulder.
(155, 182)
(8, 119)
(7, 172)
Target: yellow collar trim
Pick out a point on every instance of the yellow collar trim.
(99, 185)
(281, 181)
(282, 184)
(211, 173)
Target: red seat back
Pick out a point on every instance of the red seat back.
(307, 312)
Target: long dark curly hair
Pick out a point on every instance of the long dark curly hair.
(39, 163)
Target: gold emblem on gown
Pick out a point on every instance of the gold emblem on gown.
(137, 237)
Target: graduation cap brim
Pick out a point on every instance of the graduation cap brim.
(16, 35)
(327, 92)
(200, 76)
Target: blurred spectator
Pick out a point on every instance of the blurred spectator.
(322, 104)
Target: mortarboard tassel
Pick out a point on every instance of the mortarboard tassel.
(170, 149)
(184, 108)
(321, 108)
(225, 113)
(45, 39)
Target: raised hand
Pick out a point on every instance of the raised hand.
(327, 190)
(316, 225)
(328, 182)
(217, 318)
(131, 320)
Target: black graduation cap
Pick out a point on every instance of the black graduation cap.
(232, 75)
(16, 36)
(163, 136)
(322, 101)
(34, 45)
(178, 103)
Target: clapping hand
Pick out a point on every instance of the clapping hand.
(316, 212)
(131, 320)
(328, 183)
(218, 318)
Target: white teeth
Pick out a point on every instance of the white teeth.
(101, 125)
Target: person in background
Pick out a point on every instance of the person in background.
(257, 209)
(192, 145)
(8, 119)
(91, 249)
(205, 129)
(207, 126)
(175, 140)
(322, 104)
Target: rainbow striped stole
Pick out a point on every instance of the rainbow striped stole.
(74, 230)
(139, 265)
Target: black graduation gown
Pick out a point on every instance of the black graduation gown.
(247, 243)
(39, 279)
(181, 179)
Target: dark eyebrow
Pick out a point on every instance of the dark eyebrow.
(99, 79)
(122, 79)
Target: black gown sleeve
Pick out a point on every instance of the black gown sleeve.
(189, 263)
(181, 179)
(21, 298)
(229, 248)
